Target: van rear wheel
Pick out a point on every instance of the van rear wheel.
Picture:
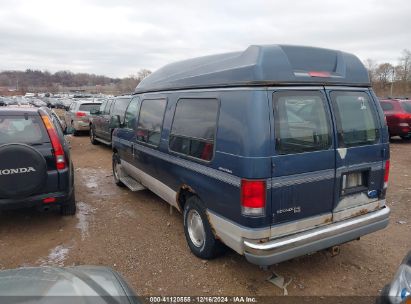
(93, 136)
(116, 164)
(197, 229)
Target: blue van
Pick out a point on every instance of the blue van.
(275, 152)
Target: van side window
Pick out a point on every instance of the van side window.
(356, 118)
(301, 122)
(130, 117)
(150, 121)
(194, 127)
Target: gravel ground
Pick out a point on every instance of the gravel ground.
(135, 234)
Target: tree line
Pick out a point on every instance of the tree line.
(36, 80)
(391, 80)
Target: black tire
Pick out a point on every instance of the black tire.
(93, 136)
(210, 247)
(116, 161)
(75, 132)
(406, 137)
(69, 208)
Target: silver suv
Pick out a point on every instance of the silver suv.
(78, 115)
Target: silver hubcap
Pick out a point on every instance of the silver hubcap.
(195, 228)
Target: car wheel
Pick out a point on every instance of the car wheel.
(75, 132)
(117, 170)
(197, 230)
(70, 207)
(406, 137)
(93, 136)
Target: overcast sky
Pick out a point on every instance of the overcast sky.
(119, 37)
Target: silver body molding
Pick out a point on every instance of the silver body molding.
(162, 190)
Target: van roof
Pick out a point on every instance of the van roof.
(260, 65)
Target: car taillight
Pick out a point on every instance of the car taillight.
(80, 114)
(55, 143)
(253, 197)
(403, 116)
(386, 173)
(319, 74)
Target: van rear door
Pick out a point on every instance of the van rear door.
(303, 165)
(361, 152)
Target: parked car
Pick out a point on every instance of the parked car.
(398, 115)
(35, 164)
(78, 284)
(102, 119)
(399, 290)
(77, 118)
(276, 152)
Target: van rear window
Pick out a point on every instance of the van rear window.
(356, 118)
(301, 122)
(22, 129)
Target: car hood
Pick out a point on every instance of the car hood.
(93, 282)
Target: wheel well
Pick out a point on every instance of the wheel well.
(183, 195)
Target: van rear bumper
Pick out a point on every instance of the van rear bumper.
(285, 248)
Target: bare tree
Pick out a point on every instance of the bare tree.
(384, 74)
(371, 66)
(143, 73)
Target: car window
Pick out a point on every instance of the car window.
(87, 107)
(130, 117)
(150, 121)
(108, 106)
(302, 122)
(120, 107)
(103, 106)
(386, 106)
(22, 129)
(356, 118)
(194, 126)
(406, 105)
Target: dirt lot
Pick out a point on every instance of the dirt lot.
(135, 234)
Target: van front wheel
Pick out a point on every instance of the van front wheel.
(197, 229)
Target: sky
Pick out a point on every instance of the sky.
(117, 38)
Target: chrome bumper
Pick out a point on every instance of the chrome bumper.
(288, 247)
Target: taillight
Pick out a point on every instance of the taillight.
(55, 143)
(253, 197)
(80, 114)
(403, 116)
(386, 173)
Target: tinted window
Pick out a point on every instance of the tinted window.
(103, 106)
(194, 128)
(87, 107)
(120, 107)
(386, 106)
(302, 122)
(131, 115)
(150, 121)
(406, 105)
(108, 106)
(356, 118)
(28, 130)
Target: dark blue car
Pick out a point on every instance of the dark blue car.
(276, 151)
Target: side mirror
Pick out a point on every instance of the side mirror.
(95, 111)
(115, 122)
